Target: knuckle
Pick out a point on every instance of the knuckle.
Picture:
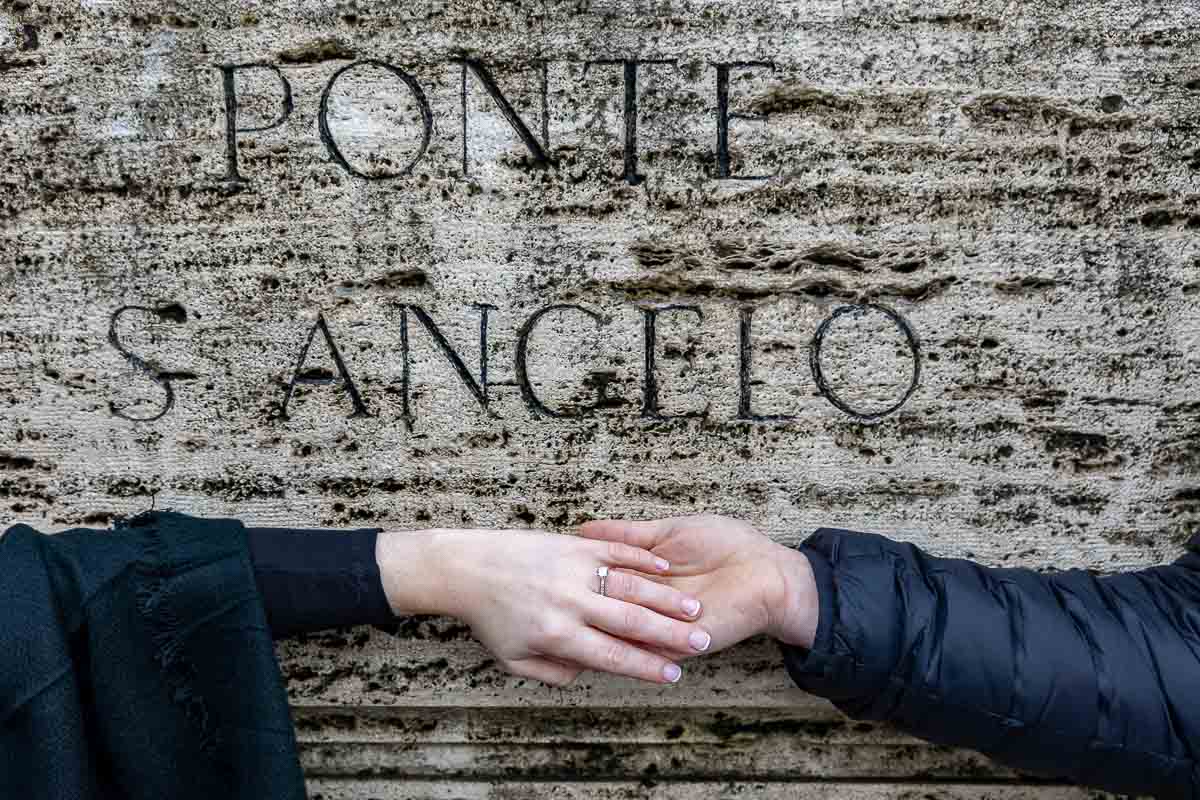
(552, 632)
(615, 657)
(632, 619)
(616, 551)
(621, 584)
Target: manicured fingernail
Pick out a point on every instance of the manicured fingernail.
(691, 606)
(699, 640)
(661, 564)
(672, 672)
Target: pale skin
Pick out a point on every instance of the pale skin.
(530, 597)
(748, 584)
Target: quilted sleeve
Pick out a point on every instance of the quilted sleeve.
(1091, 679)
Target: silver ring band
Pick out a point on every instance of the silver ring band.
(602, 574)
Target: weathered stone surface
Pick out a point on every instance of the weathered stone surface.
(332, 789)
(1014, 181)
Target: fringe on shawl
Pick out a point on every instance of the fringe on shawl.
(154, 604)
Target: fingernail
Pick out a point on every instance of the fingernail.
(662, 564)
(691, 606)
(699, 640)
(672, 672)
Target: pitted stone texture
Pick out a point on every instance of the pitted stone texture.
(1015, 180)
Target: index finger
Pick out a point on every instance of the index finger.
(645, 534)
(618, 554)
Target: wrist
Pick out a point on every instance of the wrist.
(793, 606)
(414, 567)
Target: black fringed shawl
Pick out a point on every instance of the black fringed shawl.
(137, 663)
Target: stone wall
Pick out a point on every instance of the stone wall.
(926, 268)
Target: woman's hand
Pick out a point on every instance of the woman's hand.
(748, 583)
(531, 598)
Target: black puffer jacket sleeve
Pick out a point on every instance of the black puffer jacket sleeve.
(1091, 679)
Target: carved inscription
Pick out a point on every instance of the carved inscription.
(633, 72)
(477, 383)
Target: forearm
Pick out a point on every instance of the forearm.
(1064, 675)
(312, 579)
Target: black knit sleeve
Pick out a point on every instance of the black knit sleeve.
(310, 579)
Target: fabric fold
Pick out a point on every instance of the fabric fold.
(137, 663)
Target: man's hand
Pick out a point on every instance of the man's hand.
(747, 583)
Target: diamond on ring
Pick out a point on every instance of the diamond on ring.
(602, 574)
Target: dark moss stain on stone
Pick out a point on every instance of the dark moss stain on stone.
(1179, 456)
(239, 487)
(1044, 399)
(345, 486)
(1190, 496)
(132, 486)
(1026, 284)
(1118, 402)
(1082, 451)
(11, 64)
(839, 256)
(310, 722)
(94, 518)
(782, 258)
(1157, 218)
(726, 727)
(665, 284)
(397, 673)
(422, 627)
(344, 515)
(315, 52)
(300, 672)
(21, 487)
(17, 462)
(168, 20)
(788, 97)
(656, 254)
(391, 281)
(989, 108)
(1089, 502)
(748, 269)
(968, 20)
